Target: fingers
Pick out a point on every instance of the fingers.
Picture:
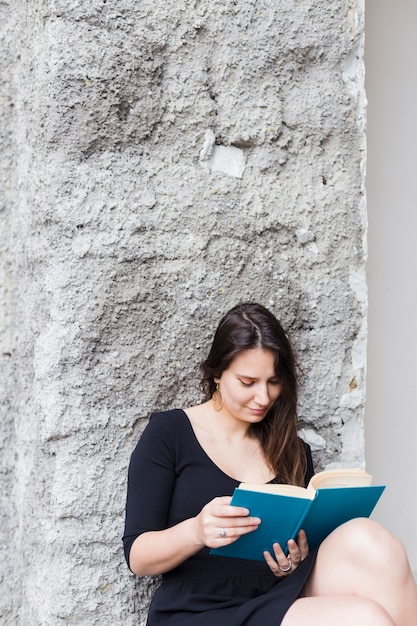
(294, 552)
(220, 507)
(282, 564)
(216, 536)
(221, 524)
(241, 526)
(228, 528)
(236, 517)
(235, 520)
(303, 544)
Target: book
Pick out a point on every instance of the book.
(331, 498)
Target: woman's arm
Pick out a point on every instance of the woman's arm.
(152, 545)
(157, 552)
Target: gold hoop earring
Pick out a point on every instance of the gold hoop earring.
(217, 399)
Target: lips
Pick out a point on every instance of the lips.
(257, 411)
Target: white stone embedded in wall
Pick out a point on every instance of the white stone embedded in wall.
(225, 159)
(316, 441)
(304, 236)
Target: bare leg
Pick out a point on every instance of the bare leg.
(361, 560)
(336, 611)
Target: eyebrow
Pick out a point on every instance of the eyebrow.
(254, 377)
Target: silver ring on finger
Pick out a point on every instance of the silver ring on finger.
(222, 533)
(289, 566)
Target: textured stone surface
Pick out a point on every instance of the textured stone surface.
(119, 252)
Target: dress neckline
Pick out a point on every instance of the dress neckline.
(195, 438)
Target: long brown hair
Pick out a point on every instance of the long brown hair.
(250, 325)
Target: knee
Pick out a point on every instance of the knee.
(366, 541)
(368, 613)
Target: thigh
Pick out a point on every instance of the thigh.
(340, 610)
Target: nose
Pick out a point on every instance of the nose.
(262, 395)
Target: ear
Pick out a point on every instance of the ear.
(216, 380)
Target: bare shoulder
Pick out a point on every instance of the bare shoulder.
(198, 414)
(203, 423)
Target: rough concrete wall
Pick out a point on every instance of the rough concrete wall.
(162, 161)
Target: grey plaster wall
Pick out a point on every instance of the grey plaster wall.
(160, 162)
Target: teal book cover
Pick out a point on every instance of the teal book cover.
(283, 516)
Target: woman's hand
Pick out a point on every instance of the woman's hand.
(219, 524)
(283, 565)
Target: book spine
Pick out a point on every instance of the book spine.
(299, 524)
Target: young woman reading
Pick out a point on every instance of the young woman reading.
(181, 477)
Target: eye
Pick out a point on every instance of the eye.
(248, 384)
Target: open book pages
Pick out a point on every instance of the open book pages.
(343, 477)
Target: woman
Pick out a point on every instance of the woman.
(184, 470)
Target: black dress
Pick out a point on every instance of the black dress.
(171, 478)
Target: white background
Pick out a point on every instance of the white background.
(391, 410)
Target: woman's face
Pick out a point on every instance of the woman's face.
(249, 386)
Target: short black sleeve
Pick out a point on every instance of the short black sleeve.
(151, 480)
